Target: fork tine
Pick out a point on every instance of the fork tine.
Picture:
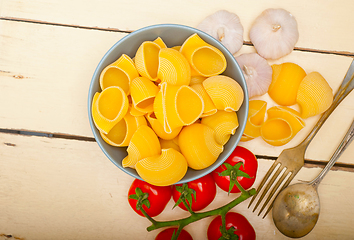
(270, 183)
(284, 186)
(271, 169)
(274, 189)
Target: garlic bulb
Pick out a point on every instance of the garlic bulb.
(274, 33)
(226, 27)
(257, 73)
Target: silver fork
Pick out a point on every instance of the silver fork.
(291, 160)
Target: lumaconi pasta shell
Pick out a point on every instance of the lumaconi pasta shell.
(163, 170)
(109, 107)
(315, 95)
(144, 143)
(285, 83)
(172, 143)
(225, 92)
(255, 119)
(196, 80)
(282, 125)
(147, 59)
(160, 42)
(209, 107)
(120, 73)
(121, 134)
(159, 129)
(172, 106)
(204, 58)
(173, 67)
(198, 146)
(143, 92)
(223, 123)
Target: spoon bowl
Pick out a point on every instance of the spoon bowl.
(296, 210)
(297, 207)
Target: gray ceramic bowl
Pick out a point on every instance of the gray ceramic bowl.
(172, 35)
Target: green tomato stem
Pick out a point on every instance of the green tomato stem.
(200, 215)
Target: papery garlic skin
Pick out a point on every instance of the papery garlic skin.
(274, 33)
(257, 73)
(225, 27)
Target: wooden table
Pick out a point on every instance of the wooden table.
(55, 182)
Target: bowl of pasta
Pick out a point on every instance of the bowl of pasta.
(167, 104)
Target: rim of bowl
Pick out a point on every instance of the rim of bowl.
(206, 37)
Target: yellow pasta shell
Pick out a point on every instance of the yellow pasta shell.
(159, 129)
(163, 170)
(160, 42)
(225, 92)
(196, 80)
(198, 146)
(204, 58)
(147, 59)
(209, 107)
(144, 143)
(315, 95)
(109, 107)
(172, 143)
(282, 125)
(286, 79)
(255, 119)
(173, 67)
(121, 134)
(143, 92)
(173, 106)
(120, 73)
(223, 123)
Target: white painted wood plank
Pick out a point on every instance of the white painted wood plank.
(71, 191)
(45, 72)
(325, 25)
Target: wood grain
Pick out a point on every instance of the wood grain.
(325, 25)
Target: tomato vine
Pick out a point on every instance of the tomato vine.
(186, 196)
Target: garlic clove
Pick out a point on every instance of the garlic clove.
(257, 73)
(274, 33)
(226, 27)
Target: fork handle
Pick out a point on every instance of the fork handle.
(345, 88)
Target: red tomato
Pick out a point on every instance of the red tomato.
(205, 189)
(158, 197)
(250, 165)
(167, 234)
(243, 228)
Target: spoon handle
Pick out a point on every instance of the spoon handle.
(342, 146)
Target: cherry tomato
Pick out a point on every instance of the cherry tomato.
(167, 234)
(243, 228)
(250, 166)
(205, 189)
(158, 197)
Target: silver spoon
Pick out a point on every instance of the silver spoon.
(296, 209)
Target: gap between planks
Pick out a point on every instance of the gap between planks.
(308, 162)
(248, 43)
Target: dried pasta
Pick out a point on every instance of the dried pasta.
(255, 119)
(204, 58)
(282, 125)
(173, 67)
(225, 92)
(286, 79)
(198, 145)
(170, 107)
(165, 169)
(144, 143)
(315, 95)
(223, 123)
(109, 107)
(120, 73)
